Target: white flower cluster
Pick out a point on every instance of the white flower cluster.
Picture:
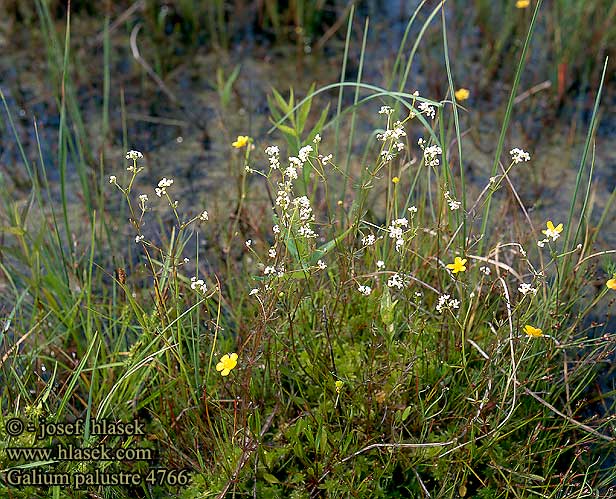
(446, 302)
(453, 204)
(271, 270)
(326, 159)
(273, 154)
(393, 135)
(302, 211)
(386, 110)
(368, 240)
(198, 284)
(134, 155)
(302, 204)
(143, 199)
(431, 153)
(427, 109)
(395, 281)
(303, 153)
(396, 231)
(205, 216)
(519, 155)
(165, 182)
(526, 288)
(364, 290)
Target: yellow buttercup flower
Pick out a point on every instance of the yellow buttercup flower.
(533, 331)
(522, 4)
(462, 94)
(458, 265)
(241, 141)
(395, 180)
(339, 384)
(227, 363)
(611, 283)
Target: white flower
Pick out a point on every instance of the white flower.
(526, 289)
(413, 210)
(395, 280)
(198, 284)
(541, 243)
(139, 239)
(446, 302)
(326, 159)
(204, 216)
(368, 240)
(269, 270)
(453, 204)
(426, 108)
(273, 154)
(431, 154)
(143, 199)
(519, 155)
(386, 110)
(276, 229)
(162, 186)
(485, 270)
(317, 138)
(112, 179)
(395, 230)
(321, 264)
(253, 291)
(249, 243)
(304, 152)
(134, 155)
(291, 173)
(399, 244)
(380, 264)
(186, 260)
(272, 151)
(442, 303)
(272, 252)
(365, 290)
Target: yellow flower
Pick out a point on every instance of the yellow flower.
(227, 362)
(533, 331)
(241, 141)
(339, 384)
(458, 265)
(395, 180)
(551, 231)
(462, 94)
(522, 4)
(611, 283)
